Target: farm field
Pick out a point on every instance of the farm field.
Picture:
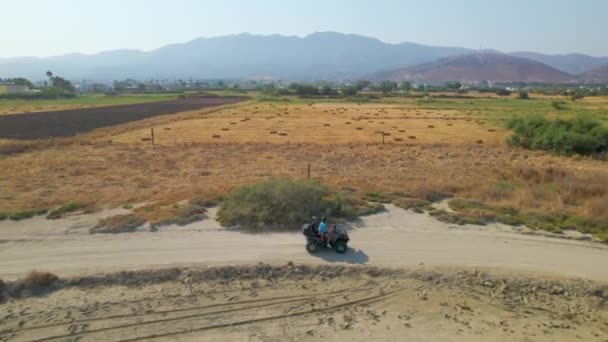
(18, 106)
(63, 123)
(434, 146)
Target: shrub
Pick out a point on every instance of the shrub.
(414, 204)
(3, 216)
(273, 203)
(117, 224)
(184, 215)
(503, 92)
(580, 135)
(446, 217)
(39, 280)
(523, 95)
(576, 96)
(287, 204)
(24, 214)
(557, 104)
(64, 209)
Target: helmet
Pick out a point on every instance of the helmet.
(323, 219)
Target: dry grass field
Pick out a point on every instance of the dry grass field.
(454, 146)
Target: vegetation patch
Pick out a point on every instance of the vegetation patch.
(383, 197)
(287, 204)
(415, 204)
(118, 224)
(551, 222)
(25, 214)
(580, 135)
(64, 209)
(447, 217)
(183, 215)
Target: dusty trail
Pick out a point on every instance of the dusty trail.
(396, 238)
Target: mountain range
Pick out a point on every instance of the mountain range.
(319, 56)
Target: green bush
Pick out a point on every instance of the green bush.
(287, 204)
(580, 135)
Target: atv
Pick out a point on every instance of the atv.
(338, 239)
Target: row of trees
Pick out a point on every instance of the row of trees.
(55, 87)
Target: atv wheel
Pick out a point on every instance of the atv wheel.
(341, 247)
(311, 247)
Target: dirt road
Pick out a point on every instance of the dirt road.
(395, 238)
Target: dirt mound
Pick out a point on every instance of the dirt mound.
(514, 290)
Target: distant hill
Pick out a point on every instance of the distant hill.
(319, 56)
(325, 55)
(599, 74)
(573, 63)
(486, 66)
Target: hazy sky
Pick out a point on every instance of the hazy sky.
(54, 27)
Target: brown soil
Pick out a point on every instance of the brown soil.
(64, 123)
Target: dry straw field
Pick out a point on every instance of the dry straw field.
(451, 146)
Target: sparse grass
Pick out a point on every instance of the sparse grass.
(64, 209)
(118, 224)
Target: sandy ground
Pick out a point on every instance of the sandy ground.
(299, 303)
(395, 238)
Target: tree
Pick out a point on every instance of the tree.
(406, 86)
(360, 85)
(59, 84)
(19, 81)
(350, 91)
(328, 91)
(388, 87)
(453, 85)
(62, 84)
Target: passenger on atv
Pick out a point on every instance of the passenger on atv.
(333, 238)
